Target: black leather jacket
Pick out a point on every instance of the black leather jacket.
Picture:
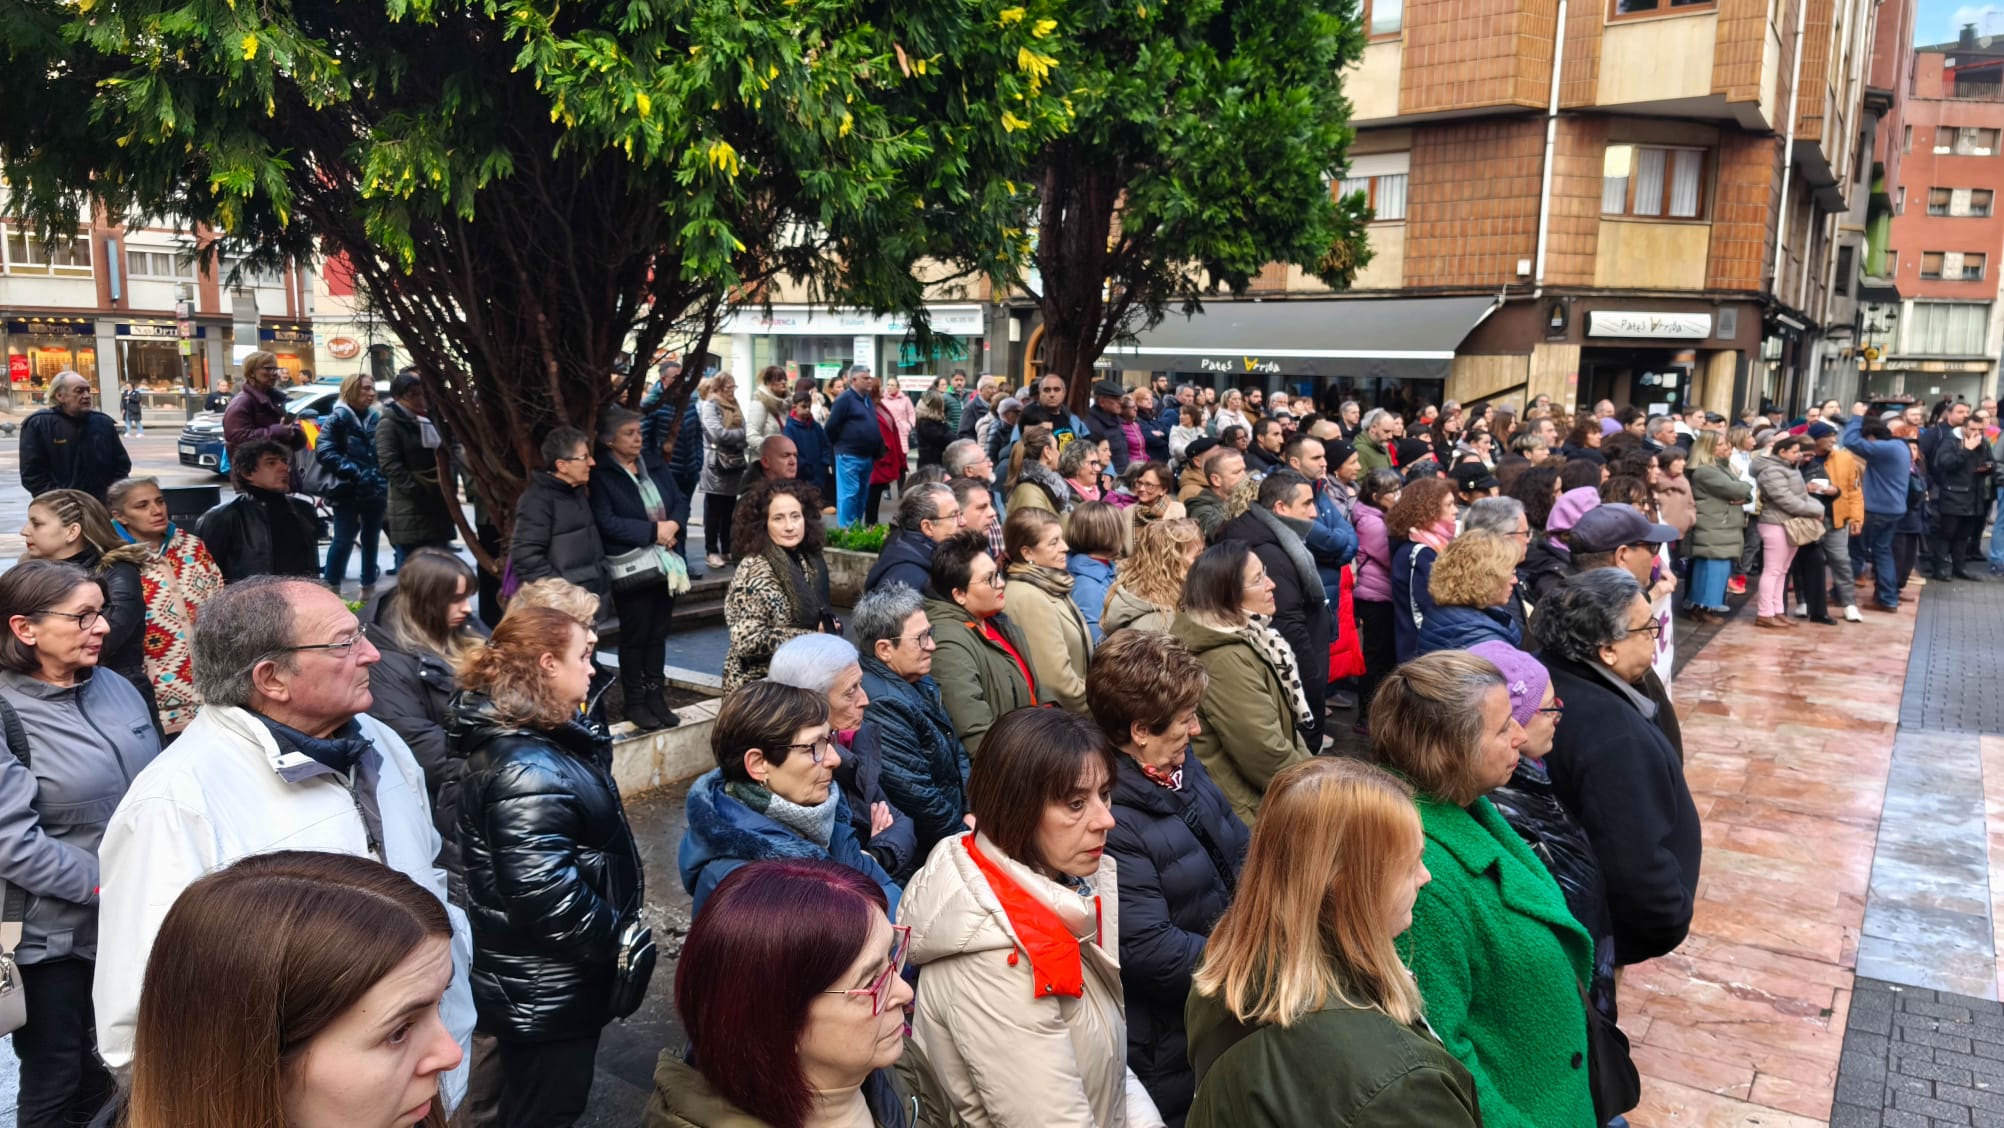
(551, 869)
(238, 534)
(125, 610)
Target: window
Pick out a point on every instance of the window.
(1965, 141)
(29, 255)
(1953, 266)
(1946, 329)
(156, 264)
(1892, 263)
(1384, 17)
(1643, 180)
(1900, 204)
(1847, 257)
(1937, 201)
(1648, 7)
(1907, 140)
(1959, 202)
(1386, 194)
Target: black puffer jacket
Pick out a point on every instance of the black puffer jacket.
(1533, 810)
(1171, 893)
(861, 778)
(556, 535)
(1546, 563)
(551, 870)
(125, 612)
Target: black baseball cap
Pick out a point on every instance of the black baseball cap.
(1605, 528)
(1473, 476)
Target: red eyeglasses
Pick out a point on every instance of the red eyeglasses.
(880, 989)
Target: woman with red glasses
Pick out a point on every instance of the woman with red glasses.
(791, 991)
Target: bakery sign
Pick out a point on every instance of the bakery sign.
(1637, 323)
(344, 348)
(1241, 364)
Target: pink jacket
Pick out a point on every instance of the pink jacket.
(903, 412)
(1374, 556)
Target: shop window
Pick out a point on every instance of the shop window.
(1651, 7)
(1946, 329)
(1386, 194)
(1384, 18)
(1965, 141)
(1653, 182)
(29, 255)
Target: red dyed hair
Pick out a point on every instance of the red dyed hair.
(770, 939)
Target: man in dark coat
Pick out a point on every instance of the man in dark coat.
(857, 442)
(419, 513)
(1276, 529)
(1103, 422)
(1612, 765)
(1961, 458)
(924, 766)
(263, 530)
(555, 532)
(927, 515)
(66, 445)
(1332, 539)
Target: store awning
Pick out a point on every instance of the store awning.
(1396, 338)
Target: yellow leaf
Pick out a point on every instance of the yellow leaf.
(848, 123)
(1009, 16)
(774, 72)
(918, 65)
(250, 46)
(1011, 123)
(644, 103)
(1042, 28)
(723, 157)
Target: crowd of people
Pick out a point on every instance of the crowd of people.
(1057, 825)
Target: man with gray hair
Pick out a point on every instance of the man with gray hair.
(927, 514)
(1503, 516)
(924, 763)
(281, 757)
(1374, 445)
(68, 446)
(964, 458)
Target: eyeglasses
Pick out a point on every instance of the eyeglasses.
(1257, 582)
(817, 750)
(85, 619)
(1557, 708)
(922, 639)
(340, 649)
(1653, 628)
(996, 580)
(584, 456)
(879, 989)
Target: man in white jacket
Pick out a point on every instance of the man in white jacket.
(280, 758)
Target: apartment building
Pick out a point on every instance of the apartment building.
(104, 303)
(1941, 334)
(1661, 202)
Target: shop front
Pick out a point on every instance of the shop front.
(811, 341)
(1394, 353)
(293, 345)
(150, 356)
(40, 348)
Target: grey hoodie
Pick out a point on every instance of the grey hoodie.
(86, 743)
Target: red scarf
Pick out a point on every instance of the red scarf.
(1056, 967)
(994, 635)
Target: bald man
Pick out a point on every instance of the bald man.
(778, 459)
(66, 445)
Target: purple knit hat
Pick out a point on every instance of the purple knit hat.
(1524, 676)
(1571, 505)
(1609, 426)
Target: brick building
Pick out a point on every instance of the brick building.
(1665, 204)
(1942, 332)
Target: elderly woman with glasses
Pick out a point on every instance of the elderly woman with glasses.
(1612, 765)
(87, 735)
(830, 665)
(773, 792)
(980, 651)
(925, 765)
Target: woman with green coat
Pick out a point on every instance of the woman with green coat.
(1720, 533)
(1253, 711)
(981, 660)
(1302, 1011)
(1498, 956)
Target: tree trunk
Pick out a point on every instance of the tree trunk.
(1073, 257)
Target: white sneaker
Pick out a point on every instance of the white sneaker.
(1851, 614)
(1802, 610)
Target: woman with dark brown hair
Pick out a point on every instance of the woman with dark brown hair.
(781, 586)
(552, 872)
(333, 967)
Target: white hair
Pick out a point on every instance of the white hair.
(811, 661)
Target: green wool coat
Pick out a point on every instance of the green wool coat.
(1500, 960)
(1246, 718)
(1340, 1067)
(1718, 494)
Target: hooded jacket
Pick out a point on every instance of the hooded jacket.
(556, 535)
(1125, 609)
(1007, 1056)
(1246, 715)
(1060, 644)
(1169, 845)
(1546, 562)
(347, 449)
(924, 765)
(86, 744)
(1718, 494)
(226, 790)
(1374, 556)
(906, 559)
(724, 834)
(1458, 628)
(986, 681)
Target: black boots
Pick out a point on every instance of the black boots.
(657, 697)
(643, 702)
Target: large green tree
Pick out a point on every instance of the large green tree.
(1207, 136)
(524, 187)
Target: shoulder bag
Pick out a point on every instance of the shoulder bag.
(636, 569)
(1804, 530)
(633, 961)
(14, 905)
(1611, 1073)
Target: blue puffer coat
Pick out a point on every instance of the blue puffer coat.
(686, 463)
(1458, 628)
(861, 778)
(924, 763)
(724, 834)
(906, 559)
(1091, 577)
(1332, 541)
(1171, 894)
(347, 449)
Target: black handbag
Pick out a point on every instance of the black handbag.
(1611, 1074)
(633, 966)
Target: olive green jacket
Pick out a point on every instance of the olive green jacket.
(978, 681)
(1247, 717)
(683, 1097)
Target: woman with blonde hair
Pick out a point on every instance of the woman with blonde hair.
(179, 576)
(1033, 481)
(766, 416)
(1301, 980)
(73, 526)
(333, 966)
(1147, 591)
(552, 871)
(1471, 586)
(346, 448)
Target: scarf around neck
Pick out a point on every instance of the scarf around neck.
(1432, 536)
(816, 823)
(1050, 581)
(1275, 650)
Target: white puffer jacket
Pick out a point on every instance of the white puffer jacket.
(1007, 1058)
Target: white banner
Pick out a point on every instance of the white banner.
(1629, 323)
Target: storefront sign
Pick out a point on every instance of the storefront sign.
(344, 348)
(288, 336)
(66, 327)
(1242, 364)
(1662, 326)
(17, 369)
(959, 321)
(159, 332)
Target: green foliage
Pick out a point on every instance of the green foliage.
(860, 538)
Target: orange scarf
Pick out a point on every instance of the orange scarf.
(1056, 966)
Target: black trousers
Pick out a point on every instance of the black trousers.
(1811, 585)
(545, 1084)
(1951, 541)
(643, 630)
(1381, 655)
(1906, 551)
(717, 508)
(874, 502)
(62, 1082)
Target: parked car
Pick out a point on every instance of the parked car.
(201, 442)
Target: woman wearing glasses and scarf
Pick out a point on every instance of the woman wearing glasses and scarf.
(87, 735)
(773, 792)
(552, 871)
